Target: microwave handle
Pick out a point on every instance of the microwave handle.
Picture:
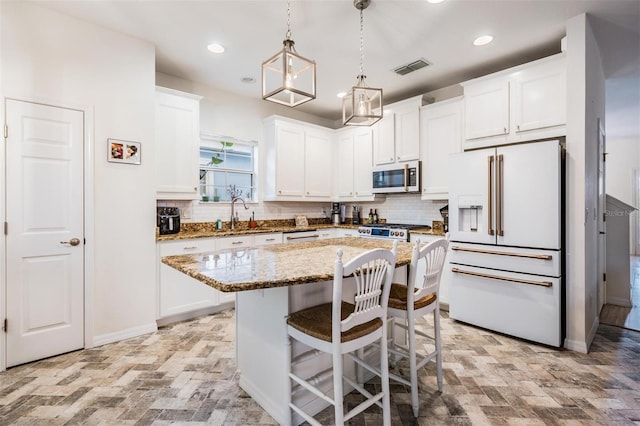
(406, 177)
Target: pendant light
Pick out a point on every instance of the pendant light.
(362, 105)
(288, 78)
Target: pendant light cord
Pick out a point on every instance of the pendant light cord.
(288, 35)
(361, 43)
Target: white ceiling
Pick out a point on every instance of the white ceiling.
(396, 32)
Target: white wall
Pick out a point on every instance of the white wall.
(585, 89)
(52, 57)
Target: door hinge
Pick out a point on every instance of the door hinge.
(6, 228)
(604, 277)
(4, 325)
(6, 131)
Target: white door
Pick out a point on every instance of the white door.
(472, 196)
(528, 198)
(45, 242)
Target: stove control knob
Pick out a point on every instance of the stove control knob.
(401, 233)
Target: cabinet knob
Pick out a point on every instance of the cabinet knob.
(518, 127)
(279, 192)
(195, 188)
(307, 192)
(390, 158)
(504, 130)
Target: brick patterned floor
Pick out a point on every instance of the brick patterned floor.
(185, 374)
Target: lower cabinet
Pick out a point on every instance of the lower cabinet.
(179, 294)
(181, 297)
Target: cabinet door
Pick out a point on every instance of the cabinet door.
(267, 239)
(408, 134)
(327, 233)
(384, 134)
(538, 97)
(289, 161)
(487, 108)
(317, 165)
(344, 164)
(177, 292)
(362, 163)
(176, 145)
(441, 135)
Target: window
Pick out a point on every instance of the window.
(223, 162)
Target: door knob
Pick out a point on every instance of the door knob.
(73, 242)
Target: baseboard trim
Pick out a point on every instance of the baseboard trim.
(128, 333)
(171, 319)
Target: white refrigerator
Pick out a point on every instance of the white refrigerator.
(506, 232)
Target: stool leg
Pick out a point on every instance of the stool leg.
(338, 393)
(412, 363)
(384, 377)
(436, 324)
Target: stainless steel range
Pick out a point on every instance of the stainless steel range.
(393, 231)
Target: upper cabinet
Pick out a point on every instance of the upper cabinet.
(523, 103)
(177, 119)
(397, 135)
(298, 160)
(441, 135)
(354, 159)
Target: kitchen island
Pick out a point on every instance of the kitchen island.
(271, 282)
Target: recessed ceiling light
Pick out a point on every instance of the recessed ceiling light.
(435, 1)
(248, 80)
(215, 48)
(341, 94)
(482, 40)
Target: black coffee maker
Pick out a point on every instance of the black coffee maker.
(168, 220)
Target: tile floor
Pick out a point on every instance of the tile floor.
(185, 374)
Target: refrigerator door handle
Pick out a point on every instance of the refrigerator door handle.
(490, 230)
(499, 195)
(501, 278)
(501, 253)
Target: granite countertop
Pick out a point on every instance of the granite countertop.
(279, 265)
(208, 229)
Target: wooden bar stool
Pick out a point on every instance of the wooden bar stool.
(356, 317)
(415, 300)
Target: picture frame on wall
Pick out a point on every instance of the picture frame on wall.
(121, 151)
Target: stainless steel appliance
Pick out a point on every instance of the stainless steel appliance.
(506, 231)
(336, 218)
(168, 220)
(392, 231)
(397, 178)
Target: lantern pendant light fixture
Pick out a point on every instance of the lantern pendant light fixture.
(362, 105)
(288, 78)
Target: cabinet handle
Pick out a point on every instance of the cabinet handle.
(500, 253)
(501, 278)
(237, 242)
(303, 237)
(270, 239)
(499, 195)
(190, 248)
(490, 200)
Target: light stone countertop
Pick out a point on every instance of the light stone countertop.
(279, 265)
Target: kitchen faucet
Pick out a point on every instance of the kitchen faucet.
(235, 196)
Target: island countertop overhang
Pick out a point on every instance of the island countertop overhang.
(280, 265)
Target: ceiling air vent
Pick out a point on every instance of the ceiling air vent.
(413, 66)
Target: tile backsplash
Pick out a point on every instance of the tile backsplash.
(405, 208)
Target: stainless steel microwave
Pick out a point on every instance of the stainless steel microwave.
(397, 178)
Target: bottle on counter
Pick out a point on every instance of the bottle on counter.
(219, 224)
(375, 216)
(371, 216)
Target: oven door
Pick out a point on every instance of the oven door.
(396, 178)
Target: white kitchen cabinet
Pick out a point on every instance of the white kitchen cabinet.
(176, 144)
(441, 135)
(354, 159)
(267, 239)
(327, 233)
(397, 135)
(177, 292)
(297, 161)
(345, 232)
(236, 241)
(523, 103)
